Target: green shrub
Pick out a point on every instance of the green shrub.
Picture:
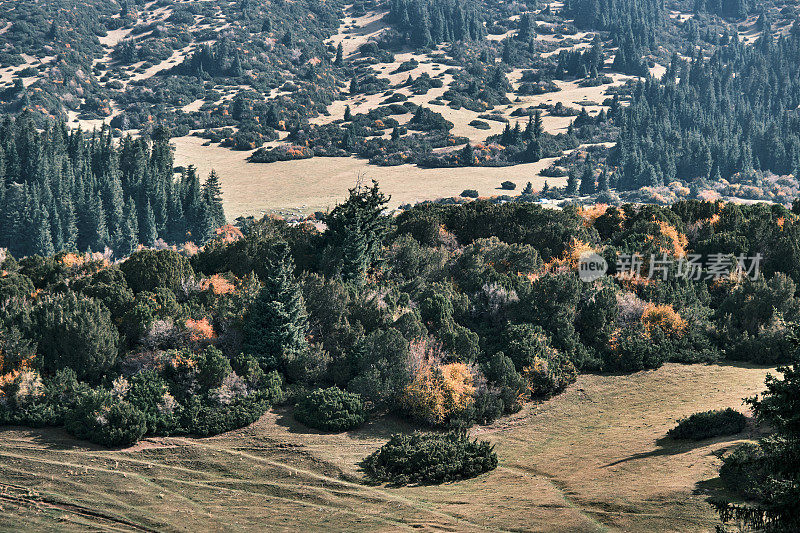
(101, 418)
(480, 125)
(429, 458)
(74, 332)
(208, 420)
(149, 393)
(331, 410)
(149, 269)
(709, 424)
(745, 471)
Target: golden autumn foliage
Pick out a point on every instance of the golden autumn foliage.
(70, 260)
(674, 242)
(665, 318)
(591, 213)
(217, 284)
(437, 392)
(571, 258)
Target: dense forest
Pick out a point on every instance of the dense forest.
(450, 315)
(60, 190)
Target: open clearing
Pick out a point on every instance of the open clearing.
(317, 184)
(592, 459)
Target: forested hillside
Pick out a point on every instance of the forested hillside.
(64, 192)
(132, 307)
(451, 316)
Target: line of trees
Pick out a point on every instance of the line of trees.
(714, 118)
(62, 190)
(425, 23)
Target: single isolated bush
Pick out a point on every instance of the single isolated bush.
(428, 458)
(331, 410)
(709, 424)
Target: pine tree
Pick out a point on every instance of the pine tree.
(276, 325)
(359, 219)
(602, 183)
(339, 55)
(43, 241)
(212, 194)
(147, 227)
(127, 238)
(467, 155)
(533, 152)
(572, 184)
(587, 186)
(94, 233)
(538, 126)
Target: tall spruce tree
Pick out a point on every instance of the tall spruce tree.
(276, 325)
(356, 232)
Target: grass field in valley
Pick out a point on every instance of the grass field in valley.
(319, 183)
(591, 459)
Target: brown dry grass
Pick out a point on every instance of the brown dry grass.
(592, 459)
(319, 183)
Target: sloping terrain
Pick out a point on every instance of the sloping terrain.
(591, 459)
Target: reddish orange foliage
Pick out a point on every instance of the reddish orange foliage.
(200, 330)
(228, 234)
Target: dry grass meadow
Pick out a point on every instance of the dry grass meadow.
(317, 184)
(591, 459)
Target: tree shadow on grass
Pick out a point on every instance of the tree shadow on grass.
(379, 426)
(48, 438)
(668, 446)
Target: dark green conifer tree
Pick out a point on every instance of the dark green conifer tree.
(276, 324)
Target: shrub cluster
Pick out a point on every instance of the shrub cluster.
(331, 409)
(429, 458)
(709, 424)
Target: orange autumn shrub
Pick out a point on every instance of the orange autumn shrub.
(217, 284)
(664, 318)
(200, 330)
(570, 260)
(676, 241)
(591, 213)
(70, 260)
(228, 234)
(438, 392)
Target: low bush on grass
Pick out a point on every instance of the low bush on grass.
(331, 410)
(709, 424)
(480, 125)
(429, 458)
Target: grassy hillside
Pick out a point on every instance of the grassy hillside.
(591, 459)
